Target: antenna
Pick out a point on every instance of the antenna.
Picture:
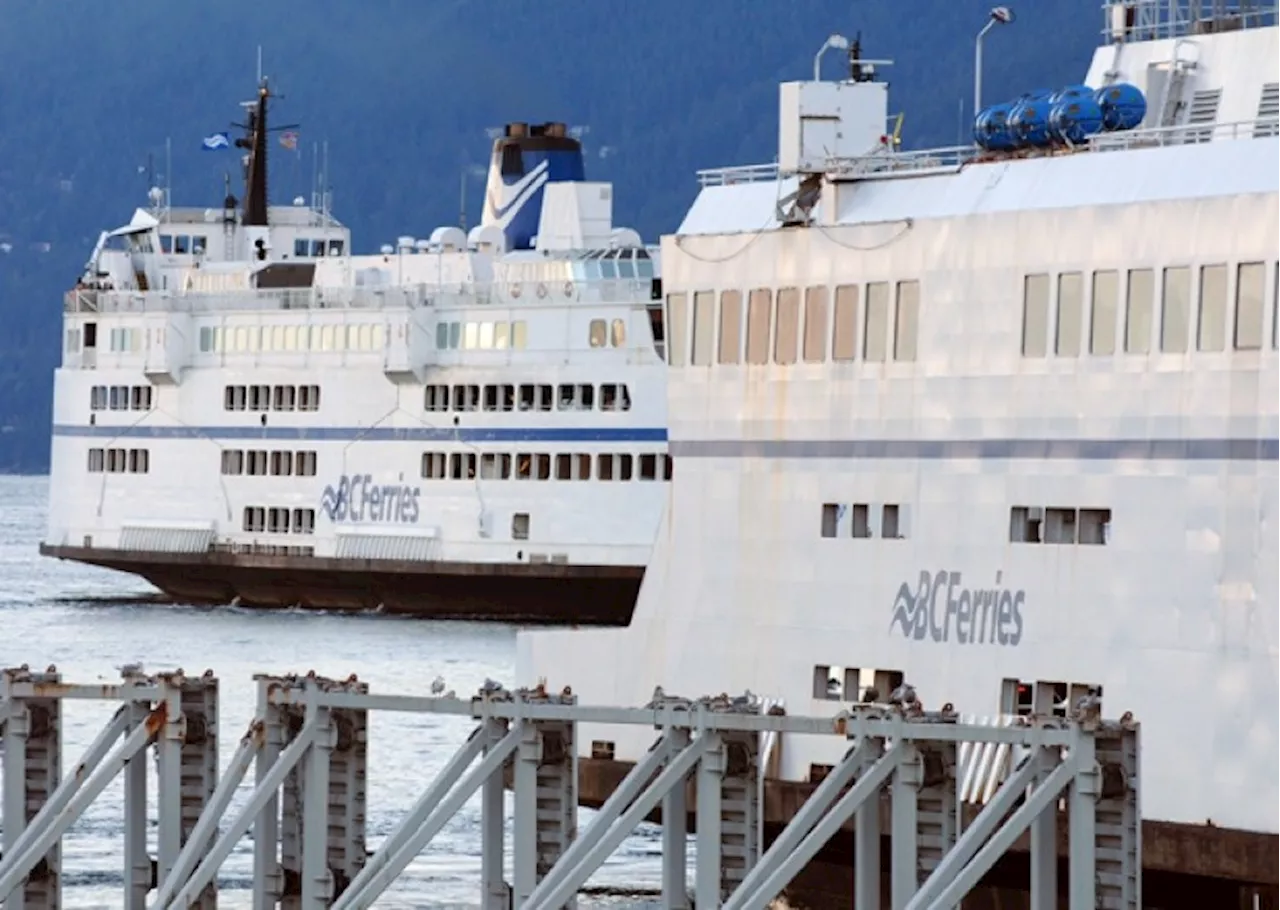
(259, 80)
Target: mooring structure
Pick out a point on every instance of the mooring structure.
(308, 747)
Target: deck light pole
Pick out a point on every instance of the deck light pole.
(1000, 15)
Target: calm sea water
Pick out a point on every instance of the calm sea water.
(89, 622)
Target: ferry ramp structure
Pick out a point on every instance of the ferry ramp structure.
(308, 744)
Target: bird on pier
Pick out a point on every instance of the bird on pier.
(437, 685)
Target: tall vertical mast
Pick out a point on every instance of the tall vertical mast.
(255, 140)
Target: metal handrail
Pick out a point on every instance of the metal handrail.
(952, 158)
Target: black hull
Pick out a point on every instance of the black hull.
(526, 593)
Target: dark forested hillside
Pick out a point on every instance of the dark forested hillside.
(403, 91)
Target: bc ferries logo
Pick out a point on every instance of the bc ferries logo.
(356, 498)
(972, 615)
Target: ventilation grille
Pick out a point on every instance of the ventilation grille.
(160, 539)
(415, 547)
(1268, 110)
(1204, 113)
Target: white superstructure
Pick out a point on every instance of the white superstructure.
(1001, 424)
(246, 410)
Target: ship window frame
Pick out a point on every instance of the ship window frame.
(1211, 321)
(1139, 320)
(1175, 309)
(677, 328)
(704, 329)
(759, 328)
(906, 320)
(814, 332)
(1239, 306)
(844, 316)
(786, 332)
(1035, 315)
(876, 322)
(597, 333)
(1102, 325)
(731, 326)
(1069, 318)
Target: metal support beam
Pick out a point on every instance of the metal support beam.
(207, 826)
(99, 749)
(169, 742)
(361, 895)
(564, 880)
(545, 797)
(32, 772)
(904, 871)
(1044, 839)
(980, 830)
(1043, 798)
(317, 884)
(706, 879)
(495, 893)
(809, 814)
(739, 810)
(675, 836)
(622, 797)
(267, 883)
(868, 787)
(137, 861)
(263, 793)
(481, 739)
(13, 868)
(1082, 826)
(866, 830)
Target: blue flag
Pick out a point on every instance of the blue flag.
(216, 141)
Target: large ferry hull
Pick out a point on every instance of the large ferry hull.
(544, 594)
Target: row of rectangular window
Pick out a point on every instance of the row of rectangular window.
(240, 339)
(527, 397)
(830, 328)
(1024, 698)
(1037, 524)
(538, 466)
(279, 520)
(182, 244)
(271, 398)
(854, 684)
(259, 462)
(482, 336)
(119, 461)
(859, 524)
(124, 340)
(121, 398)
(315, 247)
(1242, 321)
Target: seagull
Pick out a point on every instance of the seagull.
(437, 685)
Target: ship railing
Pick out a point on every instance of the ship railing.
(1186, 134)
(743, 173)
(950, 159)
(399, 297)
(1152, 20)
(947, 159)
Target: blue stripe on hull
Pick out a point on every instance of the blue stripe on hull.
(370, 434)
(985, 449)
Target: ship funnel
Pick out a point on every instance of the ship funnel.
(525, 159)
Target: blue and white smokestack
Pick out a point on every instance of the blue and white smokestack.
(525, 159)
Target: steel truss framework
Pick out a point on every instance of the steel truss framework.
(308, 745)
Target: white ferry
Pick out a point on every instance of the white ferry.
(471, 425)
(998, 421)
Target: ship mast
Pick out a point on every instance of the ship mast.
(255, 173)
